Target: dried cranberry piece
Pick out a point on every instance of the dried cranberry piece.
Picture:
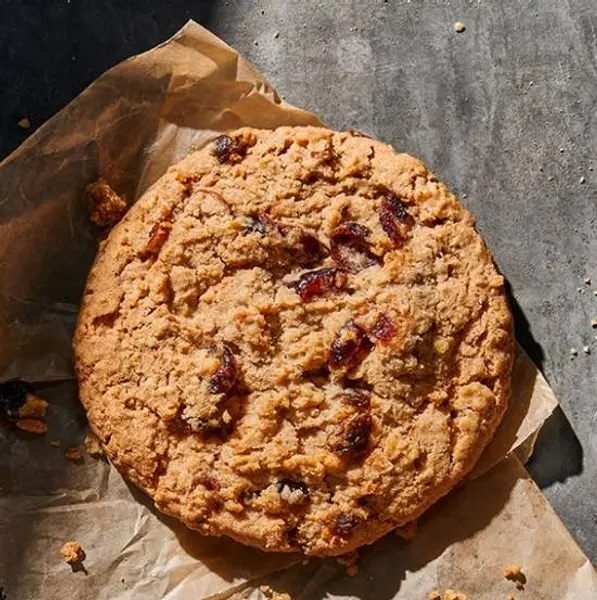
(13, 395)
(227, 149)
(258, 224)
(209, 483)
(354, 439)
(349, 348)
(225, 377)
(395, 219)
(345, 524)
(358, 398)
(314, 283)
(383, 329)
(350, 249)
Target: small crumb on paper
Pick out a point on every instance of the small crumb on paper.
(32, 425)
(24, 123)
(33, 407)
(73, 454)
(72, 553)
(453, 595)
(106, 207)
(447, 595)
(514, 573)
(459, 27)
(93, 446)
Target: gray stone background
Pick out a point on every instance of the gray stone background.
(504, 112)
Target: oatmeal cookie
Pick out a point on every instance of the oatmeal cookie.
(295, 338)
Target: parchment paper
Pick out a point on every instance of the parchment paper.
(128, 127)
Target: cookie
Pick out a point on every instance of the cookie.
(295, 338)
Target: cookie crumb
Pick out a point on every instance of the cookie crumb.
(273, 595)
(350, 562)
(24, 123)
(33, 407)
(453, 595)
(93, 446)
(434, 595)
(72, 553)
(514, 573)
(73, 454)
(459, 27)
(55, 443)
(408, 531)
(510, 598)
(32, 425)
(106, 207)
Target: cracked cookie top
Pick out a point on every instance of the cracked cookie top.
(295, 338)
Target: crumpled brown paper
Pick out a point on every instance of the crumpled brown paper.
(129, 126)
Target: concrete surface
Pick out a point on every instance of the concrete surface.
(503, 111)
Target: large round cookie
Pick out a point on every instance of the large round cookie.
(295, 338)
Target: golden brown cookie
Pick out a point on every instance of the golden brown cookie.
(295, 338)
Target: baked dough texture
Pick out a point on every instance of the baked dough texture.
(295, 338)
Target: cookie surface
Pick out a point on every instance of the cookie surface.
(295, 338)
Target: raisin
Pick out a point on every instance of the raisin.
(157, 238)
(225, 377)
(13, 395)
(349, 348)
(209, 483)
(354, 439)
(229, 150)
(395, 219)
(357, 398)
(314, 283)
(383, 329)
(345, 524)
(350, 249)
(258, 224)
(292, 485)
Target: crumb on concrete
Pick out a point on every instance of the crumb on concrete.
(582, 180)
(93, 446)
(594, 323)
(32, 425)
(586, 349)
(72, 553)
(33, 407)
(514, 573)
(408, 531)
(459, 27)
(588, 280)
(105, 206)
(573, 352)
(73, 454)
(24, 123)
